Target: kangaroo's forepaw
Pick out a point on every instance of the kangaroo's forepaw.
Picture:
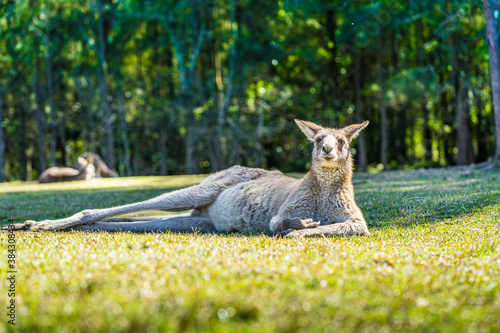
(297, 223)
(309, 223)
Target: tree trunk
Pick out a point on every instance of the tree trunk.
(187, 69)
(187, 96)
(427, 130)
(464, 141)
(236, 125)
(240, 87)
(400, 135)
(53, 113)
(383, 116)
(61, 129)
(172, 115)
(137, 147)
(85, 97)
(24, 146)
(260, 130)
(57, 128)
(86, 94)
(480, 129)
(331, 27)
(158, 93)
(221, 115)
(426, 113)
(465, 153)
(106, 109)
(442, 113)
(39, 114)
(492, 14)
(124, 134)
(192, 166)
(357, 103)
(163, 152)
(219, 101)
(2, 142)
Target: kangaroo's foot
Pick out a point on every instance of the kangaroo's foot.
(17, 226)
(83, 217)
(28, 225)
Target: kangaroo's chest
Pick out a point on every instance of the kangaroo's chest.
(330, 208)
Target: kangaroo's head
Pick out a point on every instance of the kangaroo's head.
(82, 163)
(331, 145)
(87, 168)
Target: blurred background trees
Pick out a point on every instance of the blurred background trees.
(188, 86)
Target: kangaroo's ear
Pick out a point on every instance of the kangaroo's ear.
(353, 131)
(308, 128)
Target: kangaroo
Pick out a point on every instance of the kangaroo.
(86, 171)
(101, 168)
(252, 200)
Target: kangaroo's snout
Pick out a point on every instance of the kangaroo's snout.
(327, 148)
(328, 151)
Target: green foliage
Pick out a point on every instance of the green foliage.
(293, 60)
(431, 264)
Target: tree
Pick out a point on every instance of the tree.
(107, 120)
(199, 85)
(465, 154)
(2, 143)
(492, 14)
(185, 24)
(227, 95)
(56, 128)
(382, 104)
(357, 104)
(39, 107)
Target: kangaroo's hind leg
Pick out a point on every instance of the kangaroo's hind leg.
(192, 197)
(174, 223)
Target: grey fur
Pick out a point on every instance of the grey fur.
(250, 200)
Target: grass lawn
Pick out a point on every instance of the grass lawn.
(431, 264)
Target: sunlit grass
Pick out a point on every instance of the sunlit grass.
(431, 263)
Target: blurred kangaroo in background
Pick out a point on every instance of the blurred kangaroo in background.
(85, 171)
(101, 168)
(250, 200)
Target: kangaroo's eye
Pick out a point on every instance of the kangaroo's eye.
(318, 140)
(341, 143)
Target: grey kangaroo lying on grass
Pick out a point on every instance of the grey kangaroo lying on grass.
(85, 171)
(249, 200)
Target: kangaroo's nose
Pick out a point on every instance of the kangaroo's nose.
(327, 148)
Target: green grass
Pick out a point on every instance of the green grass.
(432, 263)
